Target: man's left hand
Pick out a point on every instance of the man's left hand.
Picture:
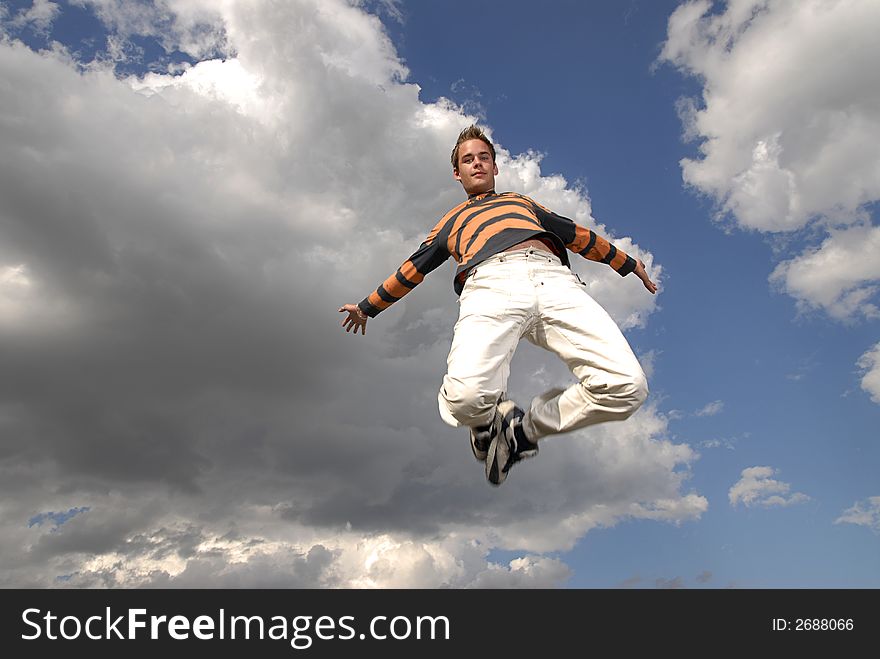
(646, 280)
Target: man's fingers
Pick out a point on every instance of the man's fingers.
(353, 321)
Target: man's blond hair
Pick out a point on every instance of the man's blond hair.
(472, 132)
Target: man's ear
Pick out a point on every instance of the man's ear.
(495, 166)
(456, 175)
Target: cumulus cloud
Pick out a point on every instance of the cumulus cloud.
(839, 277)
(863, 513)
(869, 363)
(174, 249)
(757, 488)
(186, 556)
(786, 127)
(789, 106)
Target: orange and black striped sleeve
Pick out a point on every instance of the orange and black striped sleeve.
(410, 274)
(585, 242)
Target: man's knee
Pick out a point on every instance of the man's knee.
(467, 402)
(621, 397)
(633, 393)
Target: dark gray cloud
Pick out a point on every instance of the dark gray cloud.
(173, 253)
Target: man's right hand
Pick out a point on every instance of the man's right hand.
(356, 318)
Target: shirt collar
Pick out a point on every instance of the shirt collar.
(480, 195)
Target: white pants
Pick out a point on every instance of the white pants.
(529, 293)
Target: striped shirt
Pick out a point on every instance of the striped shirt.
(484, 225)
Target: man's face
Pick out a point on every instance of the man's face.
(475, 170)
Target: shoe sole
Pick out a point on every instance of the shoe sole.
(478, 454)
(498, 455)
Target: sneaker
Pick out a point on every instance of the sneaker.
(481, 438)
(510, 444)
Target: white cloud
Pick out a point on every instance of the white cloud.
(870, 365)
(789, 106)
(710, 409)
(194, 27)
(648, 360)
(728, 443)
(186, 556)
(787, 123)
(173, 253)
(224, 81)
(863, 513)
(839, 277)
(39, 16)
(755, 487)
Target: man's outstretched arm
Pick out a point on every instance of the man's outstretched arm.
(410, 274)
(592, 246)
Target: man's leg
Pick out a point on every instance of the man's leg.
(611, 384)
(488, 330)
(497, 306)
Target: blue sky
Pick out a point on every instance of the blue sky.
(220, 200)
(580, 82)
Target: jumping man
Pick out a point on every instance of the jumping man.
(514, 281)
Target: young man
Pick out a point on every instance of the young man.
(514, 281)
